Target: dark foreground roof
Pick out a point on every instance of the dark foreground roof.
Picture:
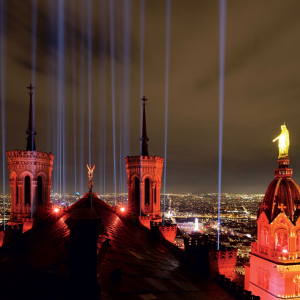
(35, 268)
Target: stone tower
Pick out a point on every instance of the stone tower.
(274, 270)
(29, 176)
(144, 181)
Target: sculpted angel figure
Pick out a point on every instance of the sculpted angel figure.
(283, 142)
(90, 173)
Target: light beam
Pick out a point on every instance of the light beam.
(222, 30)
(167, 61)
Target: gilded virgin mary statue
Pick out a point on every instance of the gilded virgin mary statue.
(283, 142)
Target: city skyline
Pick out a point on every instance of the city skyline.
(261, 89)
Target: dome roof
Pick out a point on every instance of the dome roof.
(283, 194)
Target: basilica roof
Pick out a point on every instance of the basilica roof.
(36, 265)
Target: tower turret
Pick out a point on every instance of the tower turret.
(29, 176)
(144, 180)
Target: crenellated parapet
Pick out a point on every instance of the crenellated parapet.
(168, 231)
(33, 161)
(28, 154)
(223, 261)
(142, 165)
(234, 289)
(203, 256)
(147, 220)
(11, 234)
(27, 224)
(139, 158)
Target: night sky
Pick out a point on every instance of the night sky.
(94, 52)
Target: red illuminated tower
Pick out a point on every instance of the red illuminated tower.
(144, 181)
(274, 271)
(29, 176)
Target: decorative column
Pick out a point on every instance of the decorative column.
(153, 197)
(142, 198)
(19, 202)
(33, 196)
(13, 197)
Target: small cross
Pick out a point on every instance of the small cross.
(282, 207)
(30, 87)
(264, 206)
(144, 100)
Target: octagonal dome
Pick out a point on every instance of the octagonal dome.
(283, 193)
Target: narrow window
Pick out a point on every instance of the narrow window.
(262, 236)
(155, 195)
(27, 190)
(137, 192)
(147, 191)
(40, 190)
(17, 193)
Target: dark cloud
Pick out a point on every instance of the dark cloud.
(261, 89)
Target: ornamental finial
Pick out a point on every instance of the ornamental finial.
(30, 87)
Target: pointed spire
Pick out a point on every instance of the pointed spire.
(144, 139)
(30, 131)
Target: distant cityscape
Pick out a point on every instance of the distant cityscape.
(238, 214)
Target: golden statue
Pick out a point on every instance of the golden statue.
(283, 142)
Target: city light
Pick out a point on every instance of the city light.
(56, 210)
(122, 209)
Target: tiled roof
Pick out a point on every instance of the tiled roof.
(36, 267)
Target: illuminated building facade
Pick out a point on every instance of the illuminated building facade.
(29, 177)
(144, 181)
(274, 271)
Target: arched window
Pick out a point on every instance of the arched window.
(262, 237)
(155, 194)
(285, 242)
(266, 281)
(27, 190)
(40, 190)
(258, 277)
(278, 242)
(147, 191)
(297, 285)
(281, 241)
(137, 192)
